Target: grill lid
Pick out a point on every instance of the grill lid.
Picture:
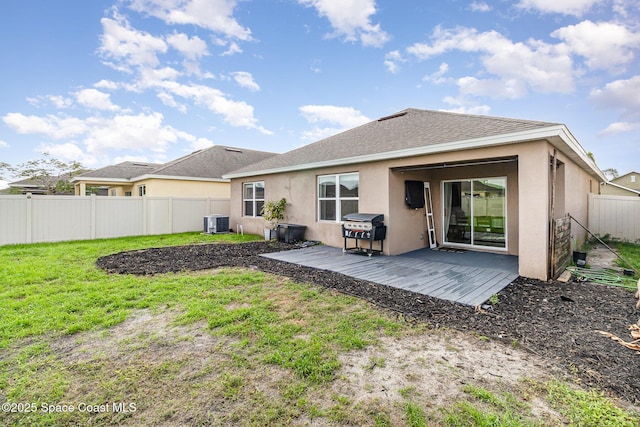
(364, 217)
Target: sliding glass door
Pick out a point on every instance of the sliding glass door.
(475, 212)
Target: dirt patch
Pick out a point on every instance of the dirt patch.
(552, 320)
(434, 366)
(183, 375)
(599, 257)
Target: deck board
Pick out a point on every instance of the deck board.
(467, 278)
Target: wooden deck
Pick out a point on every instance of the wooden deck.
(468, 277)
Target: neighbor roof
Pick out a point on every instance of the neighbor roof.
(212, 162)
(413, 132)
(124, 170)
(209, 163)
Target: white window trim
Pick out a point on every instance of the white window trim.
(336, 199)
(142, 190)
(256, 214)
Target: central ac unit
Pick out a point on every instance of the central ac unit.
(216, 224)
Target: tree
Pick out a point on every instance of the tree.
(611, 173)
(51, 174)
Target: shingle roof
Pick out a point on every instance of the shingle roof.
(212, 162)
(410, 128)
(124, 170)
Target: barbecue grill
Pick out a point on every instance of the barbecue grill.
(364, 227)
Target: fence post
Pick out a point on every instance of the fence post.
(29, 215)
(145, 216)
(171, 214)
(93, 217)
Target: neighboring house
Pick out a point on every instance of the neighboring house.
(35, 186)
(490, 179)
(198, 174)
(625, 185)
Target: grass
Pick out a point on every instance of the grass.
(230, 346)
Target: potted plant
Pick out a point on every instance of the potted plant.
(273, 212)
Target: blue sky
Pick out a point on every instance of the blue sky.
(151, 80)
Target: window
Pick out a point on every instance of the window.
(253, 198)
(142, 190)
(475, 212)
(633, 178)
(338, 195)
(114, 192)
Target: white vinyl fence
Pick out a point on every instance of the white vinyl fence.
(616, 216)
(31, 219)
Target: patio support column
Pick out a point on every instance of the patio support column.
(533, 206)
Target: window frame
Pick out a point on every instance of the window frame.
(142, 190)
(254, 200)
(473, 245)
(338, 199)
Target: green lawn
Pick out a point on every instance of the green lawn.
(231, 346)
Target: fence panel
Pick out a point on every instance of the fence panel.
(54, 218)
(119, 216)
(616, 216)
(31, 219)
(13, 219)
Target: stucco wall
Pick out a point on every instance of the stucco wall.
(382, 191)
(576, 187)
(611, 190)
(183, 188)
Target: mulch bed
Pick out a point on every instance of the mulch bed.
(551, 319)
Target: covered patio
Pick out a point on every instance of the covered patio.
(465, 277)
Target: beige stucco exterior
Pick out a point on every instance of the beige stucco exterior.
(163, 187)
(526, 167)
(622, 185)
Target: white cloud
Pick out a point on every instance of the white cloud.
(98, 135)
(518, 66)
(479, 6)
(4, 144)
(565, 7)
(93, 98)
(341, 118)
(392, 61)
(170, 101)
(245, 80)
(4, 184)
(192, 48)
(463, 106)
(438, 76)
(127, 46)
(619, 127)
(59, 102)
(106, 84)
(605, 45)
(56, 127)
(346, 117)
(139, 132)
(236, 113)
(214, 15)
(351, 19)
(201, 144)
(68, 152)
(621, 94)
